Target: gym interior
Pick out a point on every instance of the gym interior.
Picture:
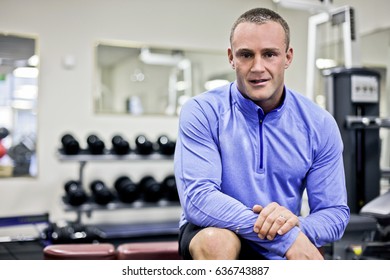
(91, 91)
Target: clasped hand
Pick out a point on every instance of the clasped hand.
(276, 219)
(273, 219)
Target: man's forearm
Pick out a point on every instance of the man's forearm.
(303, 249)
(325, 226)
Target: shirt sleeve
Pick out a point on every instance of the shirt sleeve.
(326, 190)
(198, 173)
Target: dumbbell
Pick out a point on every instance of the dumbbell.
(127, 190)
(3, 132)
(73, 233)
(165, 145)
(119, 145)
(143, 145)
(95, 145)
(70, 145)
(75, 193)
(101, 193)
(151, 189)
(169, 188)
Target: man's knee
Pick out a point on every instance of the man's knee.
(215, 243)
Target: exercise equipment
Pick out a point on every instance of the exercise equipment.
(151, 189)
(3, 150)
(96, 146)
(22, 236)
(127, 190)
(70, 146)
(71, 233)
(22, 154)
(165, 145)
(120, 146)
(169, 188)
(378, 209)
(158, 250)
(353, 100)
(3, 132)
(101, 193)
(143, 145)
(100, 251)
(75, 194)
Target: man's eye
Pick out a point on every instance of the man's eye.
(246, 55)
(270, 54)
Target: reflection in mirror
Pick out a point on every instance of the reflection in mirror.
(18, 104)
(147, 80)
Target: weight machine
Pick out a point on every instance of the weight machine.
(353, 96)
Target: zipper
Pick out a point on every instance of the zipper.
(261, 120)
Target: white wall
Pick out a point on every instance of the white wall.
(65, 95)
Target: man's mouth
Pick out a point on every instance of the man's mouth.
(258, 81)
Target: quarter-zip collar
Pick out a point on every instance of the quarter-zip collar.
(252, 110)
(256, 114)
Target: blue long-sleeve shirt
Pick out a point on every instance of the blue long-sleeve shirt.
(230, 156)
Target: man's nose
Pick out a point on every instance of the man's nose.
(258, 64)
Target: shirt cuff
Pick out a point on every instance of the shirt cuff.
(285, 242)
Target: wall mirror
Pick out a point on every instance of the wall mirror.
(139, 79)
(18, 105)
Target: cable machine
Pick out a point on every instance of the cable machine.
(352, 95)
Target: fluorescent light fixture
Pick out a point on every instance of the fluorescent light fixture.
(26, 72)
(147, 57)
(22, 104)
(325, 63)
(307, 5)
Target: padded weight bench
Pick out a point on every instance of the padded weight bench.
(160, 250)
(101, 251)
(379, 208)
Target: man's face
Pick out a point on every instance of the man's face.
(258, 55)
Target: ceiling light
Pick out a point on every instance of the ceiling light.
(325, 63)
(26, 72)
(147, 57)
(211, 84)
(307, 5)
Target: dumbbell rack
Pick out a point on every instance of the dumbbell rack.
(84, 157)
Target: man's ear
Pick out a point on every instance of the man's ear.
(289, 57)
(230, 56)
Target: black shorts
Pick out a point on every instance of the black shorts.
(188, 231)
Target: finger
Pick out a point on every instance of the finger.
(262, 216)
(265, 220)
(288, 225)
(279, 222)
(271, 220)
(257, 208)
